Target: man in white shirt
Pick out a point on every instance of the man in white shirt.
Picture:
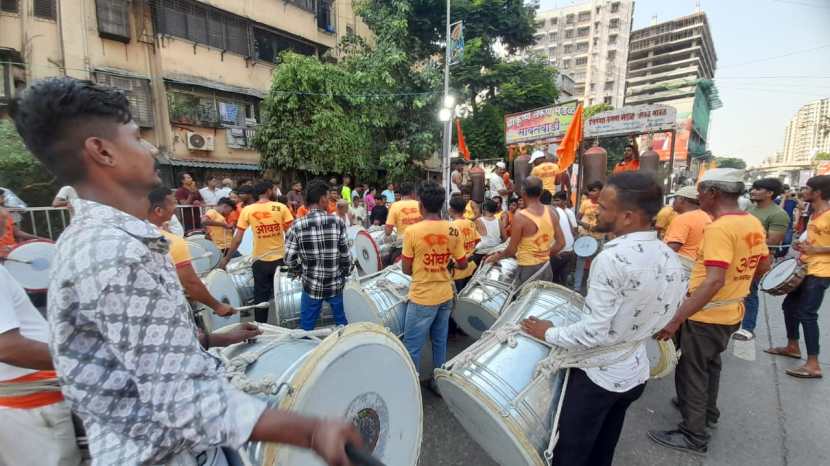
(36, 427)
(562, 263)
(65, 197)
(496, 182)
(212, 193)
(635, 287)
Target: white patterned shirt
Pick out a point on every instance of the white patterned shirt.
(126, 351)
(635, 286)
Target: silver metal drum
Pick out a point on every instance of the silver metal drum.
(379, 298)
(493, 390)
(243, 277)
(360, 373)
(287, 294)
(220, 285)
(481, 301)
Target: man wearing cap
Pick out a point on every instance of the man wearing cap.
(685, 233)
(732, 254)
(497, 187)
(630, 161)
(545, 171)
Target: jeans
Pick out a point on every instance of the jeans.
(801, 307)
(561, 266)
(751, 308)
(427, 320)
(264, 286)
(310, 310)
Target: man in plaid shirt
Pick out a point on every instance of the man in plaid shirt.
(316, 248)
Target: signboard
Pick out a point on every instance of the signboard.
(630, 120)
(456, 42)
(542, 123)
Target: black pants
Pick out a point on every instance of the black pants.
(264, 285)
(561, 267)
(697, 377)
(591, 422)
(801, 308)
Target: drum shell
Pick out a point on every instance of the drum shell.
(287, 294)
(480, 303)
(477, 182)
(379, 298)
(594, 166)
(243, 279)
(521, 170)
(650, 162)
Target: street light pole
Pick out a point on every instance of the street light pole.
(445, 155)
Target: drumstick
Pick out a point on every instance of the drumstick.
(38, 263)
(261, 305)
(361, 457)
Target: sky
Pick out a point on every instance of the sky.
(761, 89)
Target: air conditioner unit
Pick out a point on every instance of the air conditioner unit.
(196, 141)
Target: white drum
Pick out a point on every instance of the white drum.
(199, 258)
(29, 263)
(586, 246)
(379, 298)
(339, 377)
(213, 252)
(370, 249)
(287, 294)
(246, 247)
(242, 276)
(481, 301)
(220, 285)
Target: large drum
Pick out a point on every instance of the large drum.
(481, 301)
(220, 285)
(360, 373)
(29, 263)
(246, 247)
(379, 298)
(371, 249)
(287, 294)
(783, 277)
(242, 275)
(205, 256)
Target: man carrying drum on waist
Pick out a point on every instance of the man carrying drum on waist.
(802, 304)
(124, 348)
(733, 253)
(634, 288)
(402, 214)
(685, 233)
(534, 237)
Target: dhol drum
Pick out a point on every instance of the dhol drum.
(195, 234)
(213, 254)
(379, 298)
(246, 247)
(29, 263)
(351, 234)
(370, 249)
(287, 294)
(481, 301)
(338, 377)
(586, 246)
(242, 275)
(662, 357)
(220, 285)
(783, 277)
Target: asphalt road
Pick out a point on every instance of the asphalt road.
(767, 417)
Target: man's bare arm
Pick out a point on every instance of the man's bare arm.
(19, 351)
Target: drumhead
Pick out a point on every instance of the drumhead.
(473, 318)
(779, 274)
(367, 252)
(662, 357)
(210, 248)
(246, 247)
(364, 301)
(220, 285)
(199, 258)
(30, 263)
(341, 379)
(586, 246)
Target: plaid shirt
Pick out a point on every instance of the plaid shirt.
(317, 249)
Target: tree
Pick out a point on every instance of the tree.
(822, 156)
(21, 172)
(730, 162)
(592, 110)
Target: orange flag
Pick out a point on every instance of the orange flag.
(566, 152)
(462, 145)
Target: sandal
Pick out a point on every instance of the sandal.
(782, 352)
(743, 335)
(802, 373)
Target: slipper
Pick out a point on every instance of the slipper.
(802, 373)
(743, 335)
(781, 352)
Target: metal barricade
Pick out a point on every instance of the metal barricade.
(46, 222)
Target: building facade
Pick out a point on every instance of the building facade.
(195, 72)
(673, 63)
(589, 43)
(807, 133)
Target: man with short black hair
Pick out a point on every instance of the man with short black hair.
(402, 214)
(316, 249)
(630, 161)
(212, 191)
(588, 209)
(635, 285)
(562, 263)
(155, 396)
(215, 221)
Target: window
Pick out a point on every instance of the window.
(609, 85)
(612, 55)
(615, 7)
(596, 41)
(569, 19)
(324, 15)
(268, 45)
(113, 19)
(240, 138)
(614, 23)
(304, 4)
(208, 26)
(584, 16)
(597, 10)
(569, 34)
(349, 30)
(552, 51)
(553, 21)
(607, 100)
(581, 61)
(583, 32)
(138, 93)
(9, 6)
(569, 48)
(592, 87)
(209, 108)
(582, 47)
(566, 63)
(612, 39)
(45, 9)
(553, 36)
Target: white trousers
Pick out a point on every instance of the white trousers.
(38, 437)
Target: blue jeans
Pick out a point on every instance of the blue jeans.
(310, 310)
(751, 308)
(427, 320)
(801, 306)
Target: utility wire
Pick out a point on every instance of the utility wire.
(795, 52)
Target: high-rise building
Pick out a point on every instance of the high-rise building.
(673, 63)
(589, 43)
(807, 133)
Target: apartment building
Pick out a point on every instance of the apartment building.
(589, 43)
(807, 133)
(195, 72)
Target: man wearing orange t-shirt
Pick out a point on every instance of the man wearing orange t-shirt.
(630, 162)
(547, 172)
(685, 232)
(215, 221)
(402, 214)
(36, 427)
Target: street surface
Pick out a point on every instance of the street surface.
(767, 417)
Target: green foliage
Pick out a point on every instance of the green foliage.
(730, 162)
(21, 172)
(822, 156)
(598, 108)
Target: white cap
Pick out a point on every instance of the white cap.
(689, 192)
(537, 154)
(728, 175)
(501, 164)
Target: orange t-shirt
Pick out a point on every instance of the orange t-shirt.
(470, 237)
(233, 217)
(630, 166)
(269, 221)
(430, 245)
(403, 214)
(7, 240)
(547, 172)
(687, 229)
(35, 400)
(818, 234)
(179, 252)
(302, 211)
(220, 236)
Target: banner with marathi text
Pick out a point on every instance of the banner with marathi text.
(542, 123)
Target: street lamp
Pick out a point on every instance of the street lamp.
(445, 114)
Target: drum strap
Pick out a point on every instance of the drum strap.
(28, 388)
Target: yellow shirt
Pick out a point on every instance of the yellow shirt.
(818, 234)
(470, 238)
(535, 249)
(402, 214)
(687, 229)
(269, 221)
(735, 242)
(590, 213)
(547, 172)
(470, 211)
(430, 245)
(179, 252)
(664, 219)
(220, 236)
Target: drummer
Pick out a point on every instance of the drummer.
(632, 292)
(545, 170)
(470, 238)
(588, 210)
(402, 214)
(154, 396)
(733, 252)
(535, 236)
(216, 223)
(685, 233)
